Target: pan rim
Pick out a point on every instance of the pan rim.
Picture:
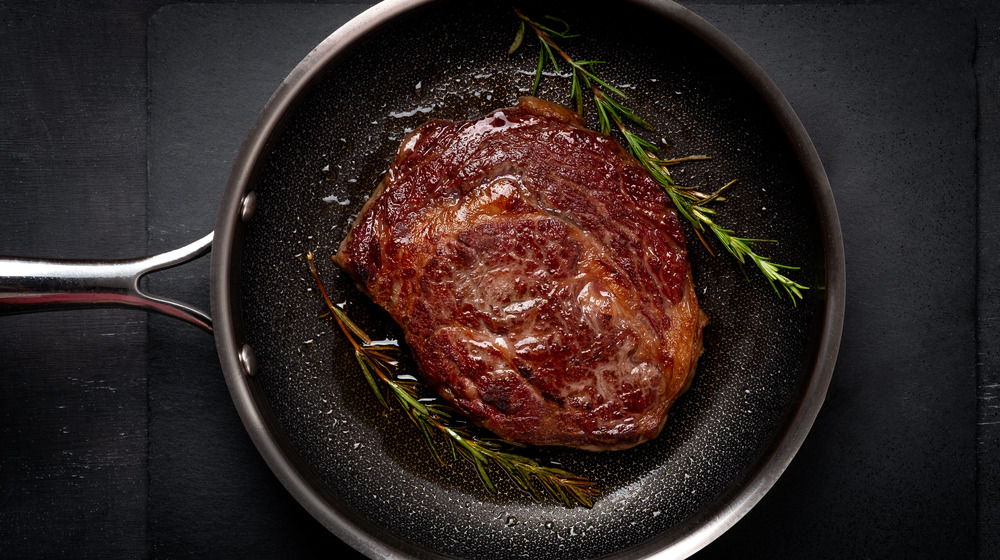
(685, 539)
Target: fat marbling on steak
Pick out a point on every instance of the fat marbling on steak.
(539, 274)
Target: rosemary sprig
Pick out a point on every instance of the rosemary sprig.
(692, 204)
(376, 363)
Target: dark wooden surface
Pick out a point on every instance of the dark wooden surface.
(117, 435)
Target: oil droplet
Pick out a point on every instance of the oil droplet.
(334, 199)
(403, 114)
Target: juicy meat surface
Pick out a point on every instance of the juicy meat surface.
(540, 276)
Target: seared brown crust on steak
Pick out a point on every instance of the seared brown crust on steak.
(540, 276)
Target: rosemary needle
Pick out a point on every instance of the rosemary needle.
(614, 115)
(376, 363)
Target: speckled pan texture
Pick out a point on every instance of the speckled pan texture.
(450, 61)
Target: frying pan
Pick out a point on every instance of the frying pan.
(318, 148)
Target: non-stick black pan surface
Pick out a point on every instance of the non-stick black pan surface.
(314, 158)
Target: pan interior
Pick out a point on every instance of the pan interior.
(449, 62)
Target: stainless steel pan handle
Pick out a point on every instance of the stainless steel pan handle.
(29, 285)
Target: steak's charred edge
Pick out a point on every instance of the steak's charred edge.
(501, 403)
(360, 271)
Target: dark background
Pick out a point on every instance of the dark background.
(117, 435)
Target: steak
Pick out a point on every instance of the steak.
(539, 274)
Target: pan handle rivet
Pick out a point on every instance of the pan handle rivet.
(248, 206)
(248, 360)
